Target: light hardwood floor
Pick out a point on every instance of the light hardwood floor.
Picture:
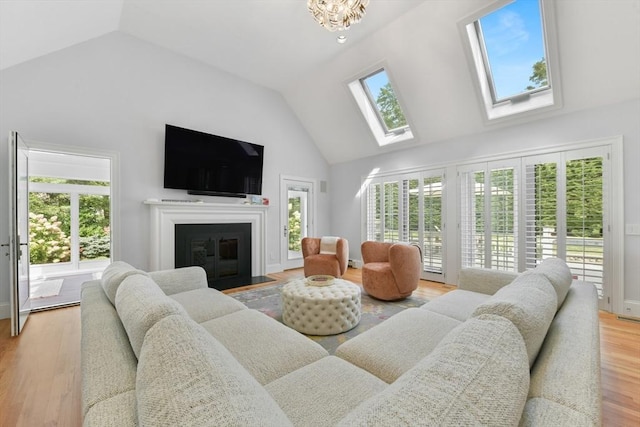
(40, 370)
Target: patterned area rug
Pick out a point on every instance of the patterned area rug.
(268, 301)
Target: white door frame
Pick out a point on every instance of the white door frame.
(18, 249)
(285, 183)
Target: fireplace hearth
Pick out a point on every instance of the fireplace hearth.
(223, 250)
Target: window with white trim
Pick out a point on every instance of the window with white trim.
(377, 99)
(511, 45)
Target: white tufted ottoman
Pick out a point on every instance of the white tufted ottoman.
(321, 310)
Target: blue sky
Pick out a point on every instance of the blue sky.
(514, 42)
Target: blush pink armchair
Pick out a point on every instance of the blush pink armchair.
(332, 264)
(390, 271)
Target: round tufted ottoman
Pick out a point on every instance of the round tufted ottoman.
(321, 310)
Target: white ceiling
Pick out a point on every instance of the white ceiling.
(277, 44)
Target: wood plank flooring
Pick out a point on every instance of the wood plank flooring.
(40, 369)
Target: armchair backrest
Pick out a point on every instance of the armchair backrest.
(375, 251)
(311, 246)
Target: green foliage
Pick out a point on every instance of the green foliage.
(295, 224)
(53, 212)
(53, 204)
(48, 243)
(94, 215)
(539, 75)
(390, 108)
(95, 247)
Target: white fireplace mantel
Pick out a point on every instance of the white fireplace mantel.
(165, 215)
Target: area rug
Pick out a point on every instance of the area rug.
(268, 301)
(48, 288)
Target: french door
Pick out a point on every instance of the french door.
(517, 212)
(19, 232)
(567, 214)
(409, 208)
(296, 219)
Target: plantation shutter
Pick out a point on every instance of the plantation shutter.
(472, 219)
(391, 209)
(432, 242)
(374, 212)
(541, 225)
(488, 216)
(585, 201)
(504, 227)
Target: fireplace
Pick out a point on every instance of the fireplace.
(166, 215)
(223, 250)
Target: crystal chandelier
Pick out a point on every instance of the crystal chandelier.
(337, 14)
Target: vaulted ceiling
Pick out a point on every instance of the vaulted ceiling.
(277, 44)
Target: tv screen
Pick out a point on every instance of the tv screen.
(207, 164)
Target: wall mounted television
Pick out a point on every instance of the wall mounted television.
(212, 165)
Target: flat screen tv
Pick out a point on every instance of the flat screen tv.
(213, 165)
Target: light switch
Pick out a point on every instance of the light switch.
(632, 229)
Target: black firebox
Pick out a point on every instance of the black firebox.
(223, 250)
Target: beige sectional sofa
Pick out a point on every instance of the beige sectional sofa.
(162, 349)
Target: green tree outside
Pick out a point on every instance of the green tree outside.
(390, 108)
(50, 224)
(539, 75)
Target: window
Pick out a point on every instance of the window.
(380, 106)
(512, 49)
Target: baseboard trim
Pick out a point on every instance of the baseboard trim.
(274, 268)
(5, 310)
(630, 308)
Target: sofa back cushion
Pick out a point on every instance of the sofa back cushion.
(141, 304)
(558, 273)
(529, 302)
(113, 275)
(484, 280)
(187, 378)
(477, 375)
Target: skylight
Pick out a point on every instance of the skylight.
(381, 108)
(511, 46)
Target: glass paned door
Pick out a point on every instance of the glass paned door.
(488, 215)
(19, 232)
(409, 209)
(297, 219)
(565, 213)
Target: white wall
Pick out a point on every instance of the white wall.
(621, 119)
(116, 93)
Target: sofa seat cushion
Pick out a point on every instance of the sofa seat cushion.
(558, 273)
(478, 375)
(394, 346)
(141, 304)
(108, 363)
(323, 392)
(458, 304)
(543, 412)
(567, 370)
(265, 347)
(114, 274)
(529, 306)
(187, 378)
(207, 303)
(118, 410)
